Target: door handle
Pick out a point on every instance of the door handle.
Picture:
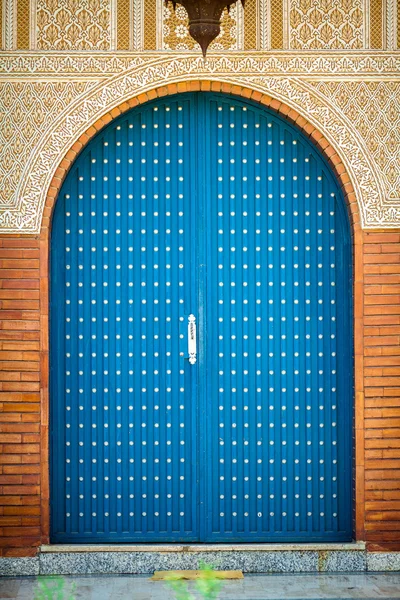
(192, 341)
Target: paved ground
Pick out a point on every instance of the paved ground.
(253, 587)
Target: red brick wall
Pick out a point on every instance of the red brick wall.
(19, 396)
(382, 388)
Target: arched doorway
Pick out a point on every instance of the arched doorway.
(204, 217)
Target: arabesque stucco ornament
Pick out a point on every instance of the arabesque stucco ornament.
(49, 99)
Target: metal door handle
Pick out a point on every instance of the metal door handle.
(192, 341)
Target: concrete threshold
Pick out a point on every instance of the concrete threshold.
(181, 548)
(141, 559)
(249, 558)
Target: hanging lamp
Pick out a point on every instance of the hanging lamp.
(204, 18)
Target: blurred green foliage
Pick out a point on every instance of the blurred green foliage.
(53, 588)
(208, 586)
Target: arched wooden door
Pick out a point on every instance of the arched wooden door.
(201, 332)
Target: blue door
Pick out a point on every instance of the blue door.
(201, 343)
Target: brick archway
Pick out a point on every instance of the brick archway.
(282, 109)
(349, 195)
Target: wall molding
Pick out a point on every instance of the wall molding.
(137, 16)
(263, 25)
(74, 65)
(390, 33)
(9, 24)
(366, 23)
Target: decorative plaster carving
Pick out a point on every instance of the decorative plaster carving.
(375, 211)
(391, 25)
(136, 20)
(27, 109)
(73, 25)
(337, 24)
(9, 32)
(278, 23)
(100, 64)
(251, 25)
(376, 26)
(69, 110)
(264, 24)
(373, 109)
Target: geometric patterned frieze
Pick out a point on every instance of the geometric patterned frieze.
(377, 10)
(86, 65)
(254, 22)
(150, 21)
(278, 17)
(124, 14)
(23, 24)
(44, 118)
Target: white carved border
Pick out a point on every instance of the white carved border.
(391, 25)
(76, 64)
(159, 24)
(9, 32)
(113, 24)
(263, 25)
(33, 25)
(297, 93)
(239, 26)
(366, 23)
(136, 29)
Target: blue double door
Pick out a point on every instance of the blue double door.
(201, 355)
